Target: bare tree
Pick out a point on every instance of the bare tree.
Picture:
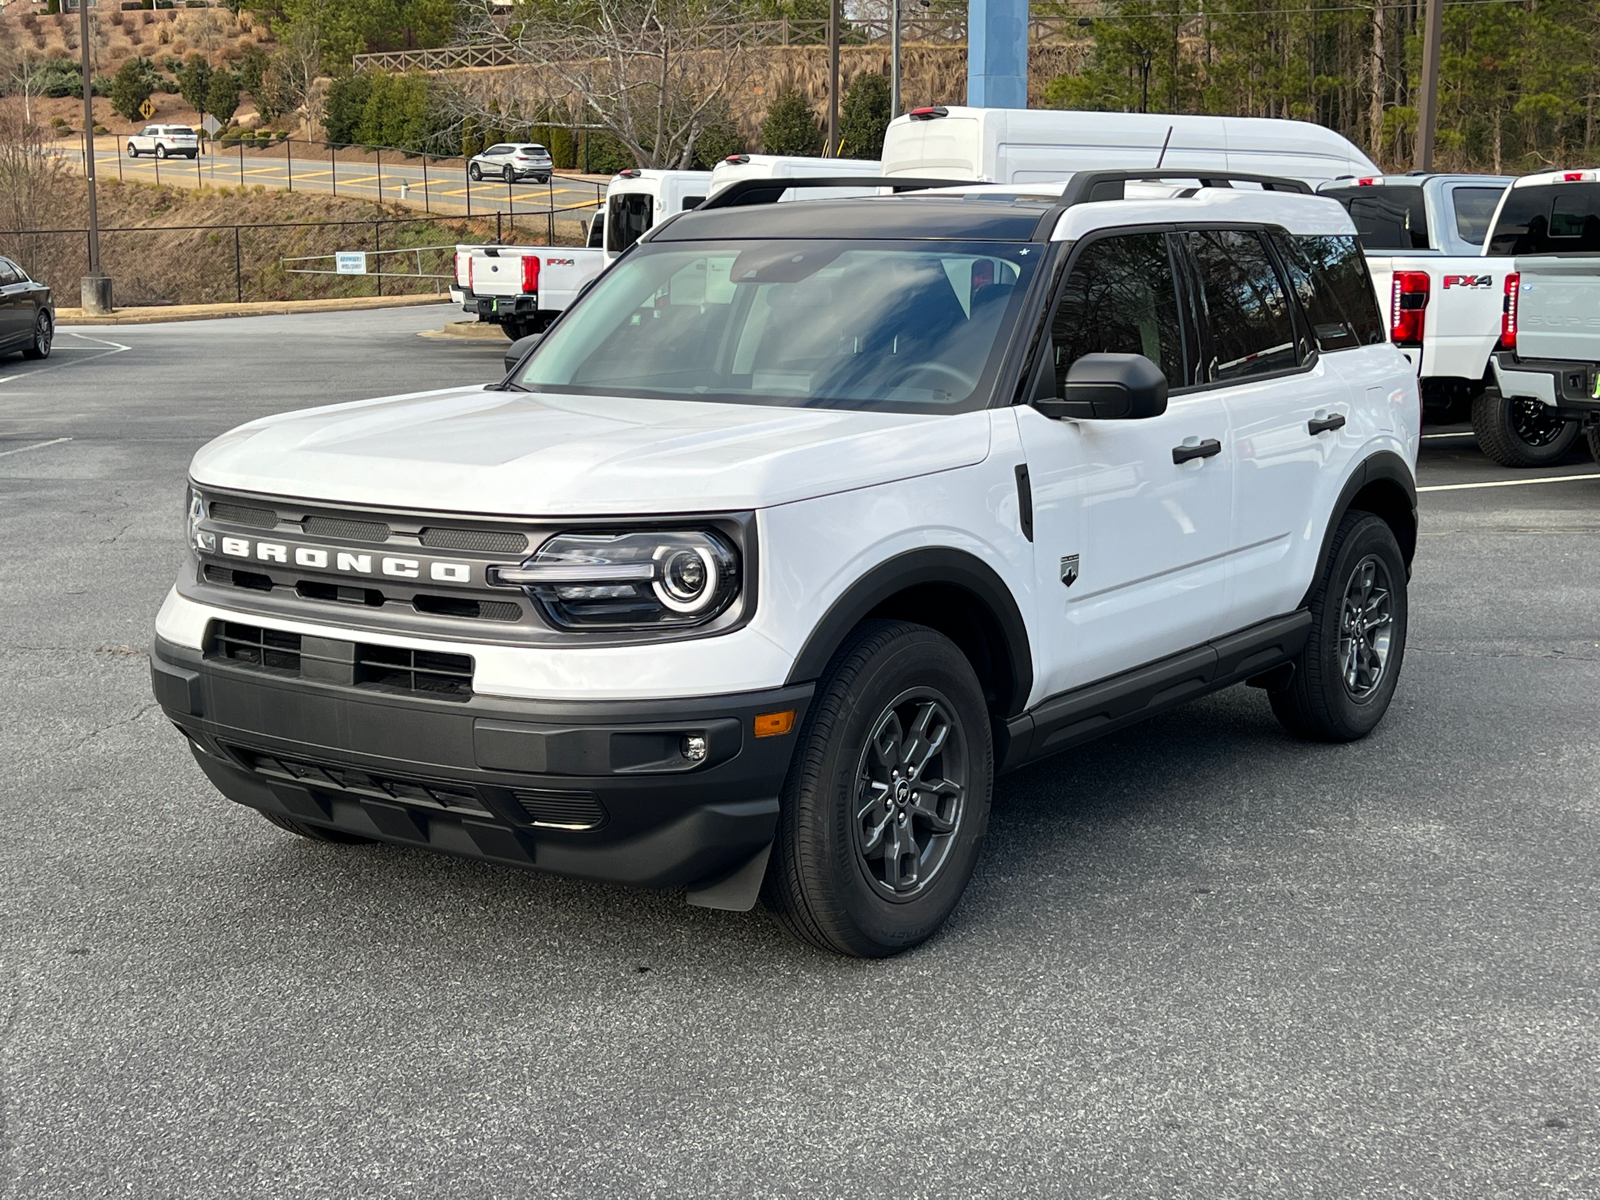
(23, 73)
(653, 73)
(33, 179)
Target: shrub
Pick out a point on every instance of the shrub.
(790, 126)
(194, 77)
(605, 155)
(864, 116)
(222, 95)
(131, 87)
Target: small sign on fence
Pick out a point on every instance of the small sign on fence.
(350, 262)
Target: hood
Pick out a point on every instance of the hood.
(523, 454)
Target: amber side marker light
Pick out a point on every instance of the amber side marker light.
(775, 724)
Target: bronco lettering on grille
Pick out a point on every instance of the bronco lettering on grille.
(348, 562)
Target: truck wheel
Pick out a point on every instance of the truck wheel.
(316, 832)
(513, 329)
(1518, 432)
(1346, 673)
(1594, 442)
(887, 799)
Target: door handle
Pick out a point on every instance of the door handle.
(1322, 424)
(1182, 454)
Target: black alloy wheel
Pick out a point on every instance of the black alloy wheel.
(1346, 674)
(474, 172)
(1516, 431)
(44, 336)
(886, 804)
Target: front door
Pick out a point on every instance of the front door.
(1129, 543)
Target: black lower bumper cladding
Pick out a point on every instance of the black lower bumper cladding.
(669, 793)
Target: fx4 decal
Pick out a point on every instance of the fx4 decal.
(1469, 281)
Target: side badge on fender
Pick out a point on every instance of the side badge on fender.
(1069, 570)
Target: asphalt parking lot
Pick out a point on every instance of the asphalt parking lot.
(1198, 958)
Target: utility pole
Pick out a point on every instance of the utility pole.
(1432, 34)
(894, 59)
(96, 288)
(833, 78)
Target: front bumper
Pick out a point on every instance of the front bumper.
(595, 789)
(1568, 387)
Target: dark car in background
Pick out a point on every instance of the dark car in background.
(27, 318)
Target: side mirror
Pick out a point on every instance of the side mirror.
(520, 347)
(1109, 387)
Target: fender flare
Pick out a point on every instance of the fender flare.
(1384, 466)
(928, 565)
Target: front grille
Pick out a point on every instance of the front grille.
(488, 540)
(243, 514)
(563, 810)
(472, 610)
(350, 781)
(464, 608)
(228, 577)
(396, 668)
(341, 530)
(270, 649)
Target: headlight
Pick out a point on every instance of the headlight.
(647, 579)
(199, 539)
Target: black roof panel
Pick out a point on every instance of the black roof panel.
(946, 218)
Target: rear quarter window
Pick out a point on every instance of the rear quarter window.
(1387, 218)
(1329, 276)
(1474, 207)
(1558, 218)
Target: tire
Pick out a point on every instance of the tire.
(508, 175)
(474, 172)
(161, 152)
(513, 329)
(1365, 572)
(44, 336)
(541, 179)
(317, 833)
(1594, 442)
(877, 880)
(192, 157)
(133, 151)
(1517, 432)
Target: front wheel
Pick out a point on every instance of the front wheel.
(1518, 432)
(1346, 673)
(1594, 442)
(161, 152)
(133, 151)
(508, 175)
(887, 800)
(44, 336)
(475, 173)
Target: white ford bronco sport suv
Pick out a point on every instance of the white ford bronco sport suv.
(801, 525)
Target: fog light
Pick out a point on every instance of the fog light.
(694, 748)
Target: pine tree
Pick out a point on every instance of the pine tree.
(790, 126)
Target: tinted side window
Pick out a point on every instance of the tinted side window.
(1561, 218)
(1329, 275)
(8, 273)
(1387, 218)
(1246, 307)
(1474, 210)
(1121, 299)
(630, 217)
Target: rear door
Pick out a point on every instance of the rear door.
(16, 305)
(1128, 544)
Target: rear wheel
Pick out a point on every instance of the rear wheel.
(1345, 675)
(474, 172)
(1518, 432)
(316, 832)
(887, 800)
(515, 329)
(44, 336)
(1594, 442)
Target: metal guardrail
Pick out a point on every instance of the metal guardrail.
(418, 251)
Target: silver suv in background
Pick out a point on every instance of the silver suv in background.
(164, 141)
(511, 162)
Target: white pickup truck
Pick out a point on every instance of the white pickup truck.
(1444, 290)
(524, 288)
(1548, 361)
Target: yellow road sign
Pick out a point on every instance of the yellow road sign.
(147, 109)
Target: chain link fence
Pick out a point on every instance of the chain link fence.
(220, 264)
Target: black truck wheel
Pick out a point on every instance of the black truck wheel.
(887, 800)
(1518, 432)
(1345, 675)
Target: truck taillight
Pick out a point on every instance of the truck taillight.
(1408, 307)
(530, 272)
(1508, 312)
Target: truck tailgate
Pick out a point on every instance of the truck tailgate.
(1559, 308)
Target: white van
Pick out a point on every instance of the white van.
(1012, 145)
(738, 167)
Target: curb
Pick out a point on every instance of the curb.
(209, 312)
(475, 331)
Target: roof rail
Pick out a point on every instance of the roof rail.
(1087, 187)
(767, 191)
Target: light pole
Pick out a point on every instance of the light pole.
(1428, 105)
(833, 78)
(894, 58)
(96, 288)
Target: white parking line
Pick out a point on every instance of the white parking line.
(1462, 487)
(113, 348)
(35, 446)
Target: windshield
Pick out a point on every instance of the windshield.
(912, 326)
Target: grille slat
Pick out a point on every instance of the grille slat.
(332, 777)
(488, 540)
(562, 810)
(342, 530)
(445, 676)
(243, 514)
(271, 649)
